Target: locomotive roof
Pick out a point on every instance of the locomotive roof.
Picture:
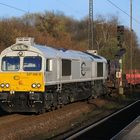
(50, 52)
(67, 54)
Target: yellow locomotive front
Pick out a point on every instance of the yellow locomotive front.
(21, 79)
(21, 74)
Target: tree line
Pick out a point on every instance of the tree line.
(58, 30)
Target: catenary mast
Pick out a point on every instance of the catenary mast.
(90, 26)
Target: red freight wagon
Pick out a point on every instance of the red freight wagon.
(133, 77)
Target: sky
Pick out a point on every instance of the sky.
(77, 9)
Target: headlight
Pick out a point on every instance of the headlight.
(33, 85)
(2, 85)
(7, 85)
(38, 85)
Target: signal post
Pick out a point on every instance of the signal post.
(120, 39)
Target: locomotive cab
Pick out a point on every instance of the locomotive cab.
(21, 76)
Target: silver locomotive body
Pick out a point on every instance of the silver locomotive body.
(64, 76)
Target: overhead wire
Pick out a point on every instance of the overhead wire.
(22, 10)
(123, 11)
(10, 6)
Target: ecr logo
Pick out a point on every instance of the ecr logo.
(83, 71)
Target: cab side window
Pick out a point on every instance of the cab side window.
(49, 65)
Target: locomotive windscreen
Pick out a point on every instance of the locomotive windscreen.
(32, 63)
(10, 63)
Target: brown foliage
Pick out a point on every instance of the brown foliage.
(64, 32)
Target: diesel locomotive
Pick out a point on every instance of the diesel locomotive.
(37, 78)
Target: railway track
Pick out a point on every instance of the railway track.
(108, 127)
(7, 119)
(14, 126)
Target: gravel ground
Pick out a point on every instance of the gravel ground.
(44, 126)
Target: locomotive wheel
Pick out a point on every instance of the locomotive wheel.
(41, 111)
(53, 108)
